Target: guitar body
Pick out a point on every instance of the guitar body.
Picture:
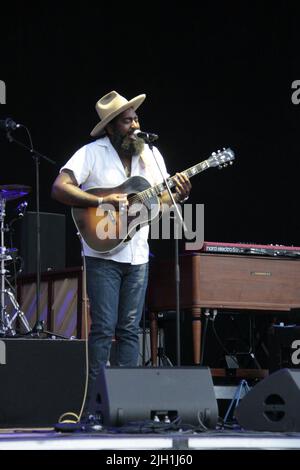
(107, 230)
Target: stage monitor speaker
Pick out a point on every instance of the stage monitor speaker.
(123, 395)
(272, 404)
(41, 379)
(52, 236)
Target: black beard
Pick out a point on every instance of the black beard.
(127, 147)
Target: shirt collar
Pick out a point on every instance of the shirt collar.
(103, 142)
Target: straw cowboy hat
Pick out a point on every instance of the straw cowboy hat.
(109, 106)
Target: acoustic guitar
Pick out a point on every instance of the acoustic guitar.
(105, 228)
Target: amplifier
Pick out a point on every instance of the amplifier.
(52, 240)
(41, 379)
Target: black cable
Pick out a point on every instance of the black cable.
(221, 343)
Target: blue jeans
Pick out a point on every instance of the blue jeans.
(116, 292)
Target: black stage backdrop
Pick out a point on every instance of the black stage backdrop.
(216, 75)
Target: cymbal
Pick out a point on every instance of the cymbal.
(13, 191)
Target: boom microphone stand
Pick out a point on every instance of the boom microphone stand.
(11, 126)
(178, 222)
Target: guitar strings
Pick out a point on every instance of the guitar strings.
(144, 195)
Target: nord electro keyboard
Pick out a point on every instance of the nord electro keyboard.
(250, 249)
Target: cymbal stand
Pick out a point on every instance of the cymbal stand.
(6, 324)
(18, 313)
(4, 315)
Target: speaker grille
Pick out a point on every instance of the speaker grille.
(52, 236)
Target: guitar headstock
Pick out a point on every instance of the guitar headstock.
(221, 158)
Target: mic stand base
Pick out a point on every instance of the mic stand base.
(38, 331)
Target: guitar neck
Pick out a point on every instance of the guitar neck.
(159, 188)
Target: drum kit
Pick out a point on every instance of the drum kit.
(7, 320)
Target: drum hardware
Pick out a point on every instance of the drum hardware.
(8, 193)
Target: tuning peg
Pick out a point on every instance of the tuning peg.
(225, 165)
(219, 151)
(231, 162)
(224, 148)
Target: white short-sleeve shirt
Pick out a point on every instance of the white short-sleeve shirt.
(98, 165)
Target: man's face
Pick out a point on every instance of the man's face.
(121, 133)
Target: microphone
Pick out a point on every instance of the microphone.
(8, 125)
(146, 136)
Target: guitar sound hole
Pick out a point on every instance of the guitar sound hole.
(131, 196)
